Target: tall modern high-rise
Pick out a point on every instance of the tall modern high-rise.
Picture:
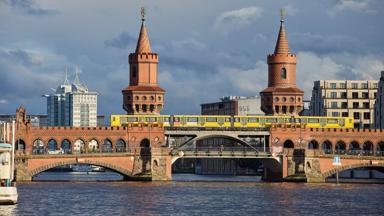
(282, 97)
(72, 105)
(379, 104)
(345, 98)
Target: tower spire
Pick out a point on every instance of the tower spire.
(282, 41)
(66, 76)
(143, 45)
(76, 81)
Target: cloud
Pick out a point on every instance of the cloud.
(3, 101)
(323, 44)
(22, 57)
(29, 7)
(237, 18)
(122, 41)
(364, 6)
(338, 66)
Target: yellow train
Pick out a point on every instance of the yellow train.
(232, 121)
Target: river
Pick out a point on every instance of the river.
(191, 195)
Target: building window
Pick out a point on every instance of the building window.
(332, 85)
(355, 105)
(333, 94)
(283, 73)
(366, 105)
(355, 95)
(344, 95)
(333, 104)
(344, 105)
(342, 85)
(364, 85)
(367, 115)
(355, 85)
(356, 115)
(365, 95)
(375, 85)
(335, 114)
(344, 114)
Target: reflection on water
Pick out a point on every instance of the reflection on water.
(195, 195)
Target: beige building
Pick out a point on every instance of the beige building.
(233, 105)
(345, 98)
(379, 105)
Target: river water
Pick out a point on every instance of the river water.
(191, 195)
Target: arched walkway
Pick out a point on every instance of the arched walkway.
(78, 146)
(66, 146)
(327, 147)
(20, 145)
(52, 145)
(120, 145)
(380, 148)
(340, 147)
(107, 146)
(368, 148)
(38, 147)
(313, 144)
(93, 146)
(208, 141)
(354, 148)
(288, 144)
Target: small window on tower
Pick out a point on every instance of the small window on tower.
(134, 72)
(283, 73)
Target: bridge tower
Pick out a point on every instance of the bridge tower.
(282, 97)
(143, 95)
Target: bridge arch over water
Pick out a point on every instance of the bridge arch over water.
(365, 164)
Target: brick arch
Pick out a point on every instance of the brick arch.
(354, 144)
(313, 144)
(352, 166)
(90, 162)
(101, 145)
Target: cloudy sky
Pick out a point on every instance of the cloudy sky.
(208, 49)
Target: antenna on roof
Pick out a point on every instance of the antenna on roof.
(77, 80)
(66, 76)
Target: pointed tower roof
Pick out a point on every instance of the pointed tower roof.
(143, 45)
(66, 77)
(282, 41)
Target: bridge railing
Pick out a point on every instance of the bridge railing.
(223, 152)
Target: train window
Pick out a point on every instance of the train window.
(113, 118)
(313, 120)
(253, 120)
(236, 119)
(123, 120)
(211, 119)
(176, 119)
(288, 120)
(131, 119)
(227, 119)
(332, 121)
(192, 119)
(151, 119)
(166, 119)
(297, 120)
(270, 120)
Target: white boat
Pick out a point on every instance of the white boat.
(81, 168)
(8, 191)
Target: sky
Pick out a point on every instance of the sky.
(207, 49)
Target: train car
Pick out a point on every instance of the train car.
(200, 121)
(233, 121)
(124, 120)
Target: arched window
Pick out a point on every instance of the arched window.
(134, 72)
(93, 146)
(120, 145)
(66, 146)
(283, 73)
(38, 147)
(107, 146)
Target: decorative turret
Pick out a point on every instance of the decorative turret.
(282, 97)
(143, 95)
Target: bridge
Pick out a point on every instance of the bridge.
(147, 152)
